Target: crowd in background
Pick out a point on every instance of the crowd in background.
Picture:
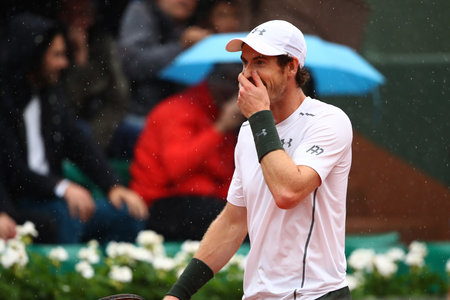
(78, 85)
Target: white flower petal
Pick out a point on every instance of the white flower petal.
(85, 269)
(362, 259)
(121, 274)
(385, 265)
(396, 254)
(59, 254)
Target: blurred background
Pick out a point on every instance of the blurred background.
(400, 176)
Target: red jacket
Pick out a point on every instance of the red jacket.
(180, 152)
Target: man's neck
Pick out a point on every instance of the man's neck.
(287, 105)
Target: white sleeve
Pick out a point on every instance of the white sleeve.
(235, 195)
(325, 143)
(235, 192)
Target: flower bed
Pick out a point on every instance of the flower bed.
(146, 269)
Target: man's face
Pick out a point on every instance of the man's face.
(272, 75)
(54, 60)
(179, 10)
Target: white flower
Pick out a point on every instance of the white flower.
(163, 263)
(121, 274)
(141, 254)
(16, 244)
(93, 244)
(89, 254)
(181, 259)
(9, 258)
(190, 247)
(65, 288)
(415, 259)
(85, 269)
(15, 253)
(353, 281)
(418, 248)
(396, 254)
(385, 266)
(361, 259)
(447, 266)
(149, 238)
(158, 250)
(115, 249)
(2, 245)
(152, 242)
(27, 228)
(237, 260)
(129, 252)
(416, 255)
(58, 253)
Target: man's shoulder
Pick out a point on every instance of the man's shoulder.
(319, 105)
(323, 111)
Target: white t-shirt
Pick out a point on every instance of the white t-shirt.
(37, 160)
(299, 250)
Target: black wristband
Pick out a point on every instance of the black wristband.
(265, 133)
(196, 275)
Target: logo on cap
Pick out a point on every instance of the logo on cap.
(261, 31)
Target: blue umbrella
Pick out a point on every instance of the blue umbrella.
(336, 69)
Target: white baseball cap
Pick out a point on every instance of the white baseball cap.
(273, 38)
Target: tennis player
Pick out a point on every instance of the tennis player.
(289, 186)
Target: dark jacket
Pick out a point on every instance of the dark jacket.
(63, 138)
(6, 205)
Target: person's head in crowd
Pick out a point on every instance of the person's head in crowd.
(78, 17)
(178, 10)
(222, 81)
(35, 49)
(223, 16)
(77, 13)
(53, 62)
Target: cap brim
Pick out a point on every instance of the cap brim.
(234, 45)
(258, 45)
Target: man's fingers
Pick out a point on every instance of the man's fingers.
(243, 81)
(256, 79)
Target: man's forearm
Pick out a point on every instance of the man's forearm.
(219, 244)
(288, 183)
(223, 238)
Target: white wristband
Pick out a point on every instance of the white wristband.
(61, 187)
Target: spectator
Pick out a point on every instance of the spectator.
(9, 216)
(152, 34)
(7, 223)
(223, 17)
(96, 87)
(33, 105)
(183, 160)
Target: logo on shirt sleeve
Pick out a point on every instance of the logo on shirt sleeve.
(287, 142)
(315, 150)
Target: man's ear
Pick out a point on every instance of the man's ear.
(293, 66)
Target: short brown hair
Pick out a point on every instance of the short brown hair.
(302, 75)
